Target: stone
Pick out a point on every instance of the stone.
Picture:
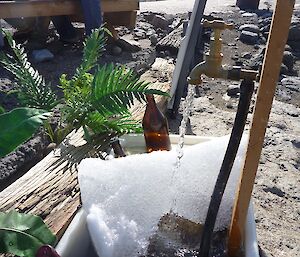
(287, 48)
(139, 33)
(248, 37)
(159, 21)
(288, 60)
(249, 15)
(153, 39)
(116, 50)
(292, 83)
(42, 55)
(294, 33)
(246, 55)
(284, 69)
(249, 27)
(296, 142)
(127, 45)
(233, 90)
(148, 16)
(265, 28)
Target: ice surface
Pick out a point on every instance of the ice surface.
(126, 197)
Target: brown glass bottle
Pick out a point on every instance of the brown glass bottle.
(155, 125)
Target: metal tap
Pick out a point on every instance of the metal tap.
(212, 66)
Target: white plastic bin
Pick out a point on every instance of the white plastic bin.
(76, 241)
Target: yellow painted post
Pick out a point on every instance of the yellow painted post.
(269, 78)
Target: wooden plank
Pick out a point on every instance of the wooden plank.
(33, 8)
(268, 82)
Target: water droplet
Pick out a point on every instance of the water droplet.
(11, 243)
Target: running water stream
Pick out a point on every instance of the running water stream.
(187, 104)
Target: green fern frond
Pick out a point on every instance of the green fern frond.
(115, 88)
(31, 87)
(93, 48)
(120, 124)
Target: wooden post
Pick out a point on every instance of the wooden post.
(269, 78)
(248, 4)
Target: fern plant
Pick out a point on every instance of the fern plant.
(100, 101)
(31, 87)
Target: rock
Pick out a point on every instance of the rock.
(256, 61)
(42, 55)
(249, 27)
(229, 105)
(171, 42)
(159, 21)
(287, 48)
(139, 33)
(153, 39)
(294, 33)
(292, 83)
(248, 37)
(288, 60)
(233, 90)
(128, 45)
(246, 55)
(265, 28)
(284, 69)
(274, 190)
(148, 16)
(249, 15)
(296, 142)
(116, 51)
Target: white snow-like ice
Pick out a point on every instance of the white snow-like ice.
(125, 197)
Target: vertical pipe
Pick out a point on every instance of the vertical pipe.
(270, 72)
(247, 88)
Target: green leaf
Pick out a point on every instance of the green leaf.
(19, 125)
(22, 234)
(114, 88)
(30, 85)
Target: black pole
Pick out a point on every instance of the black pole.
(247, 88)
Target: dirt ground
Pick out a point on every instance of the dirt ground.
(276, 193)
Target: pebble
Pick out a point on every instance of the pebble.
(154, 39)
(248, 37)
(139, 33)
(42, 55)
(116, 50)
(246, 55)
(233, 90)
(249, 27)
(296, 142)
(159, 21)
(249, 15)
(284, 69)
(294, 33)
(288, 60)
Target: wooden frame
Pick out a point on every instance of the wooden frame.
(33, 8)
(116, 12)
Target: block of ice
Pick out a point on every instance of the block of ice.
(126, 197)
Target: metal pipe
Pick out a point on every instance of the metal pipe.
(247, 88)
